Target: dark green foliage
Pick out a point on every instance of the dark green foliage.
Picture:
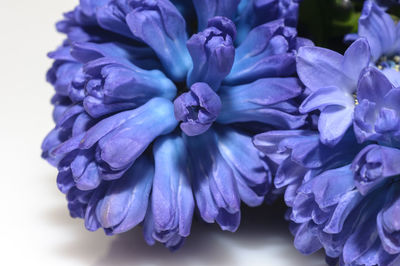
(326, 22)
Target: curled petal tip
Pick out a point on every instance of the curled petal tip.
(197, 109)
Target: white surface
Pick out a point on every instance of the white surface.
(35, 228)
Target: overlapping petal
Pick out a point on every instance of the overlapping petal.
(212, 52)
(332, 79)
(160, 25)
(249, 103)
(379, 29)
(170, 216)
(377, 115)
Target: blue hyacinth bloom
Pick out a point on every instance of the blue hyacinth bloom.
(155, 119)
(332, 81)
(343, 196)
(382, 34)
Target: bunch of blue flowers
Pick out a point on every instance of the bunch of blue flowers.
(155, 110)
(340, 175)
(169, 109)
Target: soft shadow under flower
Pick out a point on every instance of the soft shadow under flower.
(262, 231)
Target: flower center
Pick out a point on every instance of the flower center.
(197, 109)
(389, 62)
(355, 99)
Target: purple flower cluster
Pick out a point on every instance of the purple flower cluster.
(341, 174)
(166, 109)
(155, 111)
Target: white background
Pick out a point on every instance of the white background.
(35, 227)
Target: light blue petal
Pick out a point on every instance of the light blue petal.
(214, 184)
(328, 96)
(251, 173)
(378, 28)
(161, 26)
(320, 68)
(125, 203)
(172, 198)
(356, 58)
(333, 123)
(255, 102)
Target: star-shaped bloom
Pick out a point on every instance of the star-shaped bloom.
(332, 80)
